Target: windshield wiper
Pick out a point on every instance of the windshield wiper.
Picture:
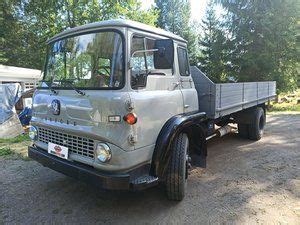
(74, 88)
(53, 90)
(50, 86)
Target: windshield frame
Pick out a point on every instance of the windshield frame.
(78, 33)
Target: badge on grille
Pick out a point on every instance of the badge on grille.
(55, 107)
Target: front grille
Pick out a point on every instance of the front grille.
(77, 145)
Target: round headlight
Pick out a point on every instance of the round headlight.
(33, 133)
(103, 152)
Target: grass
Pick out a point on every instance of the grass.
(17, 139)
(15, 148)
(290, 106)
(287, 107)
(6, 151)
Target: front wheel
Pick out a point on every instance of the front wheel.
(176, 177)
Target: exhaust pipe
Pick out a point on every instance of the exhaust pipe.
(221, 132)
(224, 130)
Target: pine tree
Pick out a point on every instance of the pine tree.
(213, 47)
(263, 40)
(175, 16)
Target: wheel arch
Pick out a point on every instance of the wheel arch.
(189, 123)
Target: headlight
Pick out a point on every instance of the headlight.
(33, 133)
(103, 152)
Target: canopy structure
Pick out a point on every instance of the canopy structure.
(27, 78)
(18, 74)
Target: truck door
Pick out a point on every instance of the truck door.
(189, 93)
(155, 93)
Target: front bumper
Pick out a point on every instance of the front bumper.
(89, 174)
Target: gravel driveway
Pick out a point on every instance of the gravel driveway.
(245, 182)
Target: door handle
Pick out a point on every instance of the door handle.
(186, 106)
(176, 84)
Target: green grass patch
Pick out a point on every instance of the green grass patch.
(289, 105)
(6, 151)
(14, 148)
(17, 139)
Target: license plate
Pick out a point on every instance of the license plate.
(58, 150)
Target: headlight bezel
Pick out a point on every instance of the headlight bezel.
(33, 133)
(103, 152)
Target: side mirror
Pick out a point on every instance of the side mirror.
(164, 57)
(161, 51)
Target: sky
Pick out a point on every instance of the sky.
(197, 7)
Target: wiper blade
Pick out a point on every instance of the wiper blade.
(50, 86)
(78, 90)
(74, 88)
(53, 90)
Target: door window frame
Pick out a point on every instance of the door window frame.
(144, 37)
(187, 61)
(144, 45)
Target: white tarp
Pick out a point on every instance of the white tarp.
(11, 128)
(10, 125)
(9, 96)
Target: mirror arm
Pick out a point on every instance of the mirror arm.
(144, 51)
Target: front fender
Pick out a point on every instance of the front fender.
(162, 151)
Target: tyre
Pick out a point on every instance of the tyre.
(256, 128)
(243, 130)
(177, 173)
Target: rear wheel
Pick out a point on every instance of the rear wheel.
(177, 174)
(243, 130)
(256, 128)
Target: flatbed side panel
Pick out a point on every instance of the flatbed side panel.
(228, 98)
(234, 97)
(262, 90)
(250, 94)
(272, 88)
(222, 99)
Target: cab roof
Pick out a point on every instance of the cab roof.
(116, 23)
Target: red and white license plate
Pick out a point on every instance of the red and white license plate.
(58, 150)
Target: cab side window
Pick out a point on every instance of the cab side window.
(138, 59)
(150, 55)
(141, 62)
(183, 62)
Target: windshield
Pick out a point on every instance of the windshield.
(91, 61)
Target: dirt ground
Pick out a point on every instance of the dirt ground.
(245, 182)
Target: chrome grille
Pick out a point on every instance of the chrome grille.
(78, 145)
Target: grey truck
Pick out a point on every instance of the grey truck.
(120, 107)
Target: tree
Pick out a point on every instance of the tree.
(263, 40)
(29, 23)
(213, 60)
(174, 16)
(10, 31)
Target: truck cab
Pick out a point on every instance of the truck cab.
(111, 86)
